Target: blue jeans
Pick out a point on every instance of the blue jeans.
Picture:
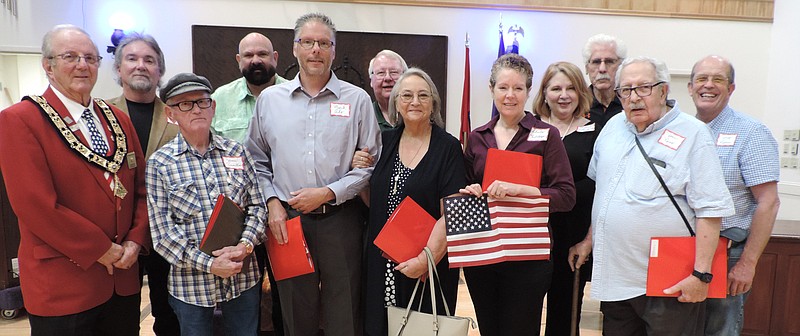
(240, 315)
(726, 316)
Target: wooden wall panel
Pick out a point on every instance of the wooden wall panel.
(736, 10)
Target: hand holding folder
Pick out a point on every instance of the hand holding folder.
(672, 260)
(511, 166)
(406, 231)
(293, 258)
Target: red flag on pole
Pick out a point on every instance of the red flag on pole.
(465, 119)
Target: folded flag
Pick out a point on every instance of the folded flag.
(484, 230)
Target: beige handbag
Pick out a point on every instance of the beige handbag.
(404, 321)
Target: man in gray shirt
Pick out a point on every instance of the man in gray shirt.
(302, 137)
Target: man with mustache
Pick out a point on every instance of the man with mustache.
(631, 206)
(236, 100)
(139, 65)
(235, 104)
(602, 55)
(749, 156)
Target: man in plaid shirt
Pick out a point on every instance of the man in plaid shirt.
(183, 181)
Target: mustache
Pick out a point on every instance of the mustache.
(602, 76)
(639, 106)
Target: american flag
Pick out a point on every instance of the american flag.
(484, 230)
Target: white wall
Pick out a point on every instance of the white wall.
(549, 37)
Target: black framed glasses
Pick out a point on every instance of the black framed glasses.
(641, 90)
(607, 61)
(188, 105)
(308, 43)
(70, 57)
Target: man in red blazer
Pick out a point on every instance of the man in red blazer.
(74, 172)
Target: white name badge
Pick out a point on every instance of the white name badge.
(233, 162)
(726, 140)
(671, 139)
(340, 109)
(539, 134)
(585, 128)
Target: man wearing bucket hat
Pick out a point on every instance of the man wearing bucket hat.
(183, 181)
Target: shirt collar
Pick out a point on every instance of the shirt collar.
(527, 122)
(216, 142)
(74, 108)
(333, 85)
(726, 113)
(242, 91)
(658, 124)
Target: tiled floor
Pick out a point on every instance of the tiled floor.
(591, 320)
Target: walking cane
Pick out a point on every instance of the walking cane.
(575, 298)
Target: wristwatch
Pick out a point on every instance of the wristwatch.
(249, 247)
(704, 277)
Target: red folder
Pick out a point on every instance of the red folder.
(511, 166)
(406, 231)
(672, 260)
(291, 259)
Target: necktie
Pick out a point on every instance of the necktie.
(99, 145)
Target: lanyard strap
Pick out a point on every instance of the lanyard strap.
(663, 185)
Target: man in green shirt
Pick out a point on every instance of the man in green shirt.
(384, 70)
(236, 100)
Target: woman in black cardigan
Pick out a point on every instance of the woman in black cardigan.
(420, 160)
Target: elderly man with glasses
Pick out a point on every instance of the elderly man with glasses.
(384, 70)
(74, 172)
(302, 136)
(602, 55)
(631, 206)
(184, 179)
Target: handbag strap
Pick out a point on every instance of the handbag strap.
(663, 185)
(431, 273)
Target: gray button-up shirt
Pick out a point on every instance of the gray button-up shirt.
(303, 141)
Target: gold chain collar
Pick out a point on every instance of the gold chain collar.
(111, 166)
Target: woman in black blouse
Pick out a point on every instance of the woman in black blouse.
(562, 101)
(420, 160)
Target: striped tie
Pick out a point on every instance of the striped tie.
(99, 145)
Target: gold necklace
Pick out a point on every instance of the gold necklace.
(396, 178)
(563, 134)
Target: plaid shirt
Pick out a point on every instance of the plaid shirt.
(749, 157)
(182, 187)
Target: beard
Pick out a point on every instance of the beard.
(140, 84)
(259, 74)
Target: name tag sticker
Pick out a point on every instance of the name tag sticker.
(233, 162)
(340, 109)
(671, 139)
(726, 140)
(539, 134)
(586, 128)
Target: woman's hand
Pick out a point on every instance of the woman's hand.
(501, 189)
(472, 189)
(362, 159)
(414, 268)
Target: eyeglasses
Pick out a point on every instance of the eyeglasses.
(394, 74)
(716, 80)
(641, 90)
(188, 105)
(607, 61)
(422, 97)
(308, 44)
(75, 58)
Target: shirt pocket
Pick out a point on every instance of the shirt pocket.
(184, 202)
(643, 183)
(237, 182)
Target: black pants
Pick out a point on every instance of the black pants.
(119, 316)
(157, 269)
(331, 296)
(559, 297)
(508, 296)
(644, 315)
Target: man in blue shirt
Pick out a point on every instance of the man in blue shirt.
(749, 157)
